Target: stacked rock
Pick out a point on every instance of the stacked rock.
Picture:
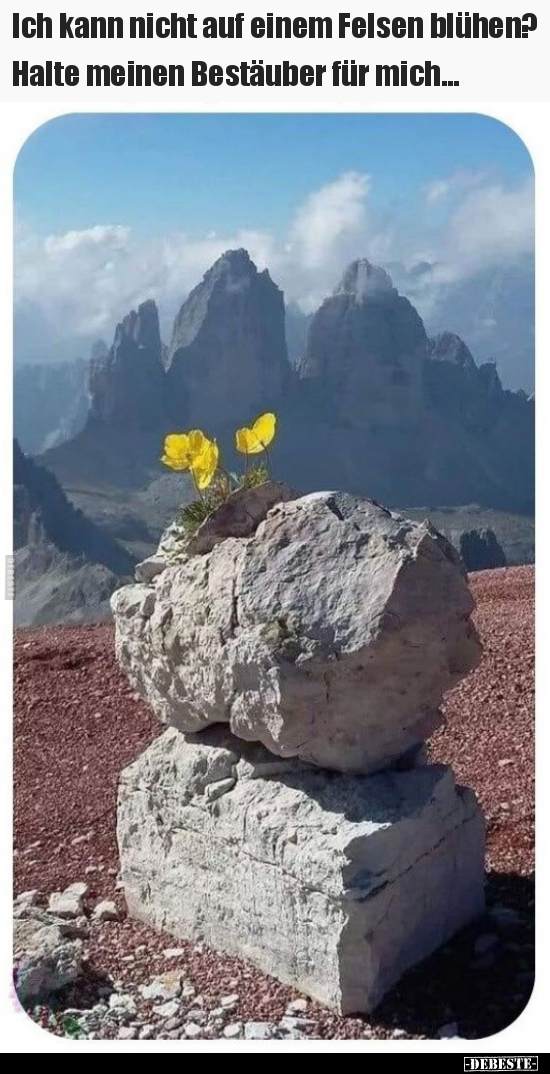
(287, 816)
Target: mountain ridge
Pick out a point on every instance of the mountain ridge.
(373, 407)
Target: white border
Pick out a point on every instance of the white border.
(530, 1033)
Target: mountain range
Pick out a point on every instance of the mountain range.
(371, 405)
(365, 400)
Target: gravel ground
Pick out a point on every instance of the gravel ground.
(77, 723)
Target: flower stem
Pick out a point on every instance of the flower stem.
(268, 457)
(197, 489)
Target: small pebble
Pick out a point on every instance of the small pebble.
(127, 1033)
(105, 910)
(174, 1023)
(229, 1001)
(233, 1030)
(260, 1031)
(168, 1009)
(192, 1030)
(298, 1006)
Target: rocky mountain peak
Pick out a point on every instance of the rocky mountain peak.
(127, 385)
(364, 280)
(141, 327)
(365, 351)
(228, 358)
(233, 264)
(448, 347)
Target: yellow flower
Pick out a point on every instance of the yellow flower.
(180, 449)
(253, 441)
(205, 464)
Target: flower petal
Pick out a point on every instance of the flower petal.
(176, 451)
(197, 441)
(264, 428)
(245, 442)
(204, 466)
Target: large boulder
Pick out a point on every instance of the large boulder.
(333, 883)
(330, 634)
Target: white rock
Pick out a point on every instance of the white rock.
(105, 911)
(196, 1014)
(127, 1033)
(175, 1022)
(229, 1001)
(335, 884)
(297, 1006)
(331, 634)
(173, 952)
(166, 986)
(168, 1009)
(122, 1006)
(68, 903)
(26, 899)
(233, 1030)
(149, 568)
(47, 955)
(192, 1030)
(293, 1024)
(260, 1031)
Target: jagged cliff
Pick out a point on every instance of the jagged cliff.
(126, 385)
(373, 406)
(365, 351)
(228, 357)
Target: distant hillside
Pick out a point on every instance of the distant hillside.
(65, 566)
(50, 403)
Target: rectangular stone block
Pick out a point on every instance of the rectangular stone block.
(332, 883)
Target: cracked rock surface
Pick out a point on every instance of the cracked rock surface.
(71, 694)
(333, 883)
(330, 634)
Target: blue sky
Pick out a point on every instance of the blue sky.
(200, 173)
(113, 209)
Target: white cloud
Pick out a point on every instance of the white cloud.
(492, 224)
(328, 216)
(83, 282)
